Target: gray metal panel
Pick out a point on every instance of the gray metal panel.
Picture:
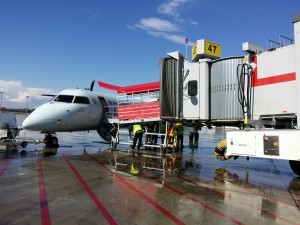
(168, 87)
(171, 70)
(224, 89)
(296, 18)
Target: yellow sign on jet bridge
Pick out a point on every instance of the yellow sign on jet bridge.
(205, 49)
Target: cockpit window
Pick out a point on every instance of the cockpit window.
(81, 100)
(64, 98)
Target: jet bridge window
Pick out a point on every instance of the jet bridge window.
(192, 88)
(81, 100)
(64, 98)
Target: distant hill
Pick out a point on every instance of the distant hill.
(22, 110)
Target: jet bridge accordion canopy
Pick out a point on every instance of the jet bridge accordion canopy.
(137, 102)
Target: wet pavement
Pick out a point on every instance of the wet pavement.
(80, 183)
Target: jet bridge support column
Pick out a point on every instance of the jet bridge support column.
(296, 21)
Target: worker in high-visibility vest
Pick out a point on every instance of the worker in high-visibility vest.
(138, 136)
(171, 133)
(179, 132)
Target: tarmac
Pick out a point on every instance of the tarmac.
(84, 182)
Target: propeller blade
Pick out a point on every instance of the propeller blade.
(48, 95)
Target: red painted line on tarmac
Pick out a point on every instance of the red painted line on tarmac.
(143, 195)
(4, 166)
(45, 216)
(233, 220)
(92, 195)
(222, 194)
(272, 198)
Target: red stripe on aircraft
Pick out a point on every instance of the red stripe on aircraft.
(45, 216)
(98, 203)
(139, 192)
(3, 168)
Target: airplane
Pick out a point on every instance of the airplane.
(74, 110)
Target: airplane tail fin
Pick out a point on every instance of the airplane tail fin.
(92, 85)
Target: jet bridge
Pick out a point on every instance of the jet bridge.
(257, 92)
(203, 92)
(137, 104)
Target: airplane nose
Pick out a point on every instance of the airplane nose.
(32, 123)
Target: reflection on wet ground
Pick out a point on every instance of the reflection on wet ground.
(83, 182)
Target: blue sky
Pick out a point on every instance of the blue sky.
(47, 46)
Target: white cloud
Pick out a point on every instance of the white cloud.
(161, 28)
(15, 93)
(193, 22)
(171, 37)
(171, 8)
(165, 28)
(156, 24)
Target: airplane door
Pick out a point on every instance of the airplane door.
(104, 106)
(105, 128)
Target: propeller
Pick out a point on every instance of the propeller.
(49, 95)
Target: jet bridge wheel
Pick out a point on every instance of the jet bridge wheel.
(295, 166)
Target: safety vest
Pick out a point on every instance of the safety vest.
(171, 131)
(136, 128)
(179, 129)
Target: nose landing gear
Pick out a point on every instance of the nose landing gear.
(50, 140)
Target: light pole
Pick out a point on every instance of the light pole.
(1, 92)
(27, 104)
(186, 44)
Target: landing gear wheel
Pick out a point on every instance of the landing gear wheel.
(54, 141)
(23, 152)
(24, 144)
(295, 166)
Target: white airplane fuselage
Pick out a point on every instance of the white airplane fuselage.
(71, 110)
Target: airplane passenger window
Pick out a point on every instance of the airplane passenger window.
(64, 98)
(82, 100)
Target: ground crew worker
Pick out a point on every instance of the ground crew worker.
(171, 133)
(155, 130)
(193, 137)
(149, 128)
(138, 136)
(179, 132)
(162, 129)
(220, 151)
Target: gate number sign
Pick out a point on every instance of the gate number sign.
(205, 49)
(211, 48)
